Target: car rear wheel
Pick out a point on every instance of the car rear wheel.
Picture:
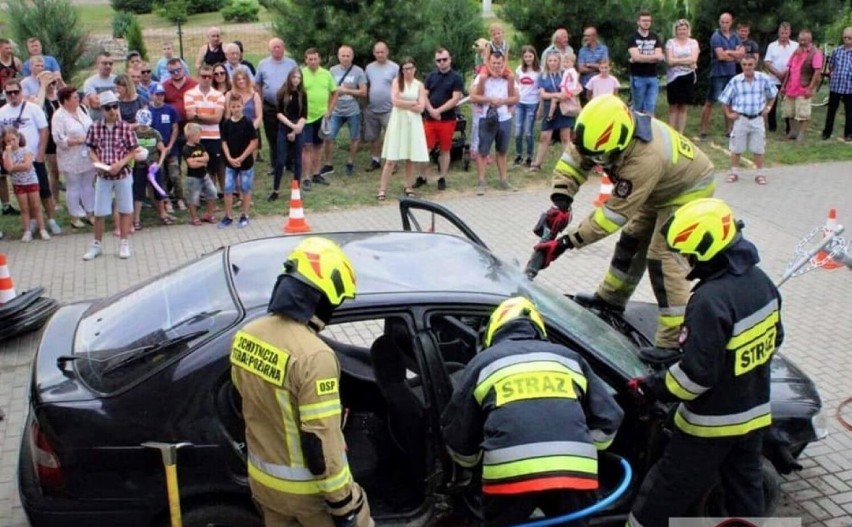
(712, 504)
(220, 515)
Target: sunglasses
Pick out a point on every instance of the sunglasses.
(109, 107)
(442, 59)
(178, 70)
(13, 92)
(145, 72)
(220, 73)
(208, 76)
(408, 68)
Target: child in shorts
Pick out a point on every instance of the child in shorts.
(151, 151)
(198, 183)
(18, 161)
(239, 141)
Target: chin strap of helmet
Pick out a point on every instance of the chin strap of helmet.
(295, 299)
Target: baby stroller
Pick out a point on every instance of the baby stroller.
(460, 151)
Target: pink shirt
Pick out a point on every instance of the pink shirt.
(794, 86)
(602, 85)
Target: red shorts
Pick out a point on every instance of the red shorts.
(439, 133)
(20, 190)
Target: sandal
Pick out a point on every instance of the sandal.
(535, 168)
(165, 220)
(409, 192)
(732, 178)
(760, 179)
(137, 226)
(195, 221)
(381, 195)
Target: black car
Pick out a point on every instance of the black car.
(151, 364)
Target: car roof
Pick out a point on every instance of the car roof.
(385, 263)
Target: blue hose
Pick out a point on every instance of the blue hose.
(588, 511)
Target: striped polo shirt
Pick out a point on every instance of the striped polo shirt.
(205, 105)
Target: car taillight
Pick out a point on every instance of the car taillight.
(45, 462)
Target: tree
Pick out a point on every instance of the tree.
(39, 18)
(409, 28)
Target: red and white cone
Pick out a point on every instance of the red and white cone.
(296, 222)
(7, 287)
(605, 191)
(822, 256)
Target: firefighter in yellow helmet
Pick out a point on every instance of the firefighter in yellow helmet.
(534, 414)
(732, 328)
(289, 380)
(654, 170)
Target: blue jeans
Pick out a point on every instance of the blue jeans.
(284, 150)
(524, 124)
(644, 91)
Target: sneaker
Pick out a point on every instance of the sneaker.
(27, 237)
(33, 225)
(505, 185)
(350, 169)
(442, 184)
(320, 180)
(480, 188)
(374, 165)
(77, 223)
(226, 222)
(93, 252)
(528, 162)
(518, 161)
(53, 226)
(181, 205)
(9, 210)
(124, 249)
(420, 181)
(306, 185)
(244, 221)
(169, 208)
(272, 196)
(44, 235)
(326, 170)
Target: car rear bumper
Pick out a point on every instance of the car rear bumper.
(49, 511)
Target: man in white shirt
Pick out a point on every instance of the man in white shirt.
(497, 94)
(381, 73)
(778, 54)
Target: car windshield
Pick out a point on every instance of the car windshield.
(575, 320)
(123, 338)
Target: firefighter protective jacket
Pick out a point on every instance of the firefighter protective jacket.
(732, 328)
(289, 380)
(659, 168)
(534, 412)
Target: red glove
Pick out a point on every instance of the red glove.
(638, 390)
(553, 249)
(557, 219)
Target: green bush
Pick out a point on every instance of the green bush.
(140, 7)
(120, 22)
(834, 31)
(57, 24)
(241, 11)
(203, 6)
(173, 10)
(135, 42)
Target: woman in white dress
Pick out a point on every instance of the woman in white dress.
(405, 138)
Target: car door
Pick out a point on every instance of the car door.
(425, 216)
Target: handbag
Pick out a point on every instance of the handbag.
(491, 120)
(570, 107)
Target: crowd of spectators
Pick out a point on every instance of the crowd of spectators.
(302, 109)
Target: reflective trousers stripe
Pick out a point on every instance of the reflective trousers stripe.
(539, 484)
(292, 486)
(544, 448)
(723, 425)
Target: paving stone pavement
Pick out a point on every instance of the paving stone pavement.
(816, 311)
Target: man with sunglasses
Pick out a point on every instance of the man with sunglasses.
(112, 145)
(444, 87)
(103, 80)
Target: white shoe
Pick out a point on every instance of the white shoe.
(27, 237)
(44, 235)
(53, 226)
(93, 252)
(33, 225)
(124, 249)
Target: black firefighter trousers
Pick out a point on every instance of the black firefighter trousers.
(690, 466)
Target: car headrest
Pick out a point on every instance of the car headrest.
(388, 362)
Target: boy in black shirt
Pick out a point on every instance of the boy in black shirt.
(197, 180)
(239, 141)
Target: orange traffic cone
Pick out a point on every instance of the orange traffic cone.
(822, 256)
(605, 191)
(296, 222)
(7, 287)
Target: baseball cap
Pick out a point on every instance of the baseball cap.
(156, 89)
(107, 97)
(143, 117)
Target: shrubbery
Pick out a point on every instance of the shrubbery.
(241, 11)
(140, 7)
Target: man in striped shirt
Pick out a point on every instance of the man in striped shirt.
(205, 106)
(748, 97)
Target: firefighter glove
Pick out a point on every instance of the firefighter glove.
(638, 389)
(557, 219)
(553, 249)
